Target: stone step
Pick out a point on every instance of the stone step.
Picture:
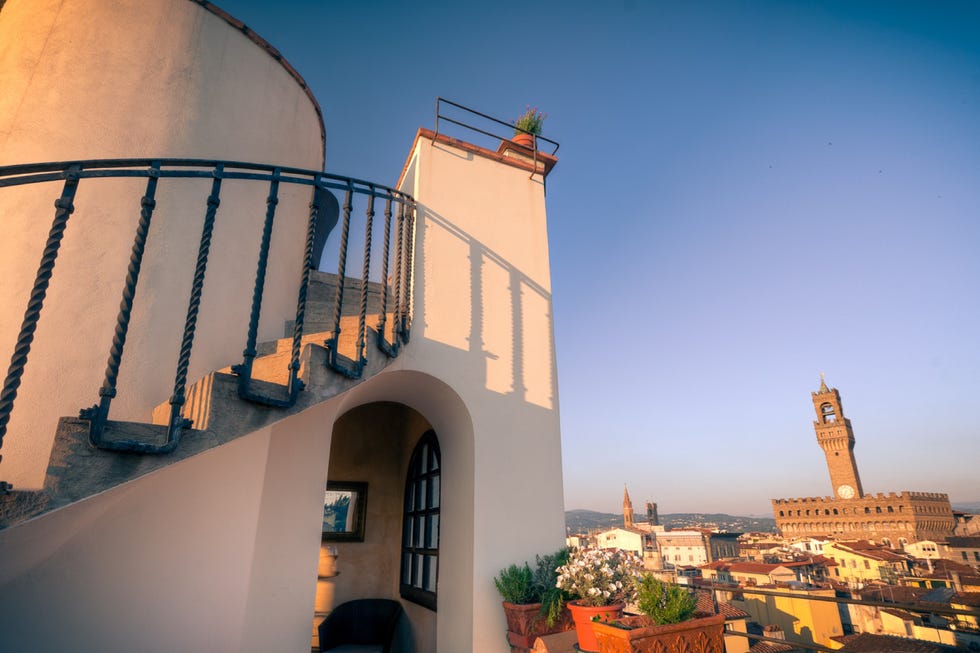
(78, 470)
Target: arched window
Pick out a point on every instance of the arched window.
(420, 528)
(827, 412)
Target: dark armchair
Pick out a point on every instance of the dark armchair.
(360, 624)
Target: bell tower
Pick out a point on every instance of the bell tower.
(836, 438)
(627, 509)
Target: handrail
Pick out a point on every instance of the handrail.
(439, 116)
(156, 170)
(536, 137)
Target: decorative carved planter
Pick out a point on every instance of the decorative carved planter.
(525, 623)
(703, 635)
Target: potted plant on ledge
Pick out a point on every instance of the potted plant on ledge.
(603, 580)
(527, 126)
(533, 605)
(669, 623)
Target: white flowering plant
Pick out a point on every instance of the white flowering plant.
(601, 577)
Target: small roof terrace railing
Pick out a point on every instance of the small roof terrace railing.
(395, 276)
(460, 115)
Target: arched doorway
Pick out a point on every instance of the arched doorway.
(388, 451)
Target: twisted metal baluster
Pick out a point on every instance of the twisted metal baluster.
(18, 360)
(399, 278)
(177, 422)
(410, 262)
(295, 383)
(98, 415)
(390, 349)
(333, 343)
(244, 370)
(366, 271)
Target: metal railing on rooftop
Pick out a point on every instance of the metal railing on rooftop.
(492, 124)
(395, 276)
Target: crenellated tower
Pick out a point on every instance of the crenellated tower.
(836, 438)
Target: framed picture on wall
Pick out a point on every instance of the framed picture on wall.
(344, 511)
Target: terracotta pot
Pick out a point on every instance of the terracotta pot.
(699, 635)
(583, 614)
(524, 140)
(525, 623)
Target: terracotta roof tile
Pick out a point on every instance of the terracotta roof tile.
(706, 604)
(901, 614)
(753, 567)
(892, 593)
(771, 647)
(971, 599)
(870, 643)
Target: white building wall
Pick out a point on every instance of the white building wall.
(683, 548)
(619, 538)
(483, 325)
(215, 553)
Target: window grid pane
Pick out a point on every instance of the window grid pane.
(420, 527)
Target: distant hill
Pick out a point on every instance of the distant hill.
(581, 521)
(972, 507)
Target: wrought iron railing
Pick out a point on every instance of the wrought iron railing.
(460, 115)
(396, 289)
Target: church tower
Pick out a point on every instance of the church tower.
(627, 509)
(653, 518)
(836, 438)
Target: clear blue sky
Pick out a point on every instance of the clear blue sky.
(747, 194)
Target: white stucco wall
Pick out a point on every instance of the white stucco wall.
(483, 325)
(215, 553)
(618, 538)
(91, 79)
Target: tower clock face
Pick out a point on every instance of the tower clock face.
(845, 492)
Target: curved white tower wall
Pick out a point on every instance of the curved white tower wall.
(170, 79)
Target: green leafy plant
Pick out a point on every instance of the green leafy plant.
(516, 584)
(662, 602)
(551, 596)
(530, 121)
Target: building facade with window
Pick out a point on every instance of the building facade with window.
(687, 548)
(965, 550)
(863, 562)
(895, 519)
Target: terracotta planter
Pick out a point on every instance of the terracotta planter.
(700, 635)
(583, 614)
(525, 623)
(524, 140)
